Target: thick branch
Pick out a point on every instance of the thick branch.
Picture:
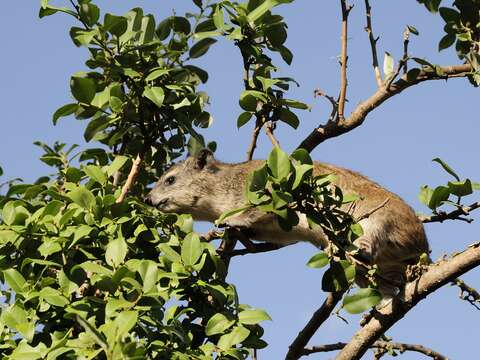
(436, 276)
(373, 43)
(383, 345)
(295, 350)
(344, 57)
(453, 215)
(332, 129)
(132, 176)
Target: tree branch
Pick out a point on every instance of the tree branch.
(295, 350)
(437, 275)
(132, 176)
(344, 57)
(253, 143)
(269, 127)
(453, 215)
(332, 129)
(373, 43)
(382, 345)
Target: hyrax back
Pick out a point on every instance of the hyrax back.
(205, 188)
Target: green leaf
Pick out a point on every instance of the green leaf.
(412, 74)
(252, 317)
(53, 297)
(218, 18)
(227, 214)
(339, 276)
(279, 163)
(65, 110)
(148, 271)
(295, 104)
(425, 194)
(157, 73)
(82, 197)
(16, 317)
(439, 195)
(116, 252)
(124, 322)
(257, 180)
(116, 164)
(243, 118)
(155, 94)
(147, 29)
(201, 47)
(449, 15)
(263, 8)
(15, 280)
(192, 249)
(356, 229)
(217, 324)
(95, 173)
(388, 64)
(413, 30)
(460, 188)
(318, 260)
(447, 168)
(83, 89)
(289, 117)
(446, 41)
(362, 300)
(286, 54)
(238, 334)
(115, 25)
(249, 99)
(89, 13)
(95, 126)
(301, 171)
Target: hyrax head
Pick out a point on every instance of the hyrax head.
(184, 186)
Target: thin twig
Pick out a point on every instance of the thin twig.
(132, 176)
(253, 143)
(373, 43)
(269, 127)
(295, 350)
(468, 293)
(406, 39)
(255, 249)
(381, 345)
(344, 57)
(453, 215)
(370, 212)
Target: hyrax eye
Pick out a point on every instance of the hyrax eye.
(170, 180)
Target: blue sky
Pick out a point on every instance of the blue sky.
(394, 147)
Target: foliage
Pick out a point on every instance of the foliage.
(91, 277)
(86, 275)
(443, 194)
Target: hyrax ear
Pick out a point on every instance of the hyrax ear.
(204, 159)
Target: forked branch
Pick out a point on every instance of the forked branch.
(357, 117)
(453, 215)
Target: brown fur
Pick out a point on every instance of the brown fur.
(204, 187)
